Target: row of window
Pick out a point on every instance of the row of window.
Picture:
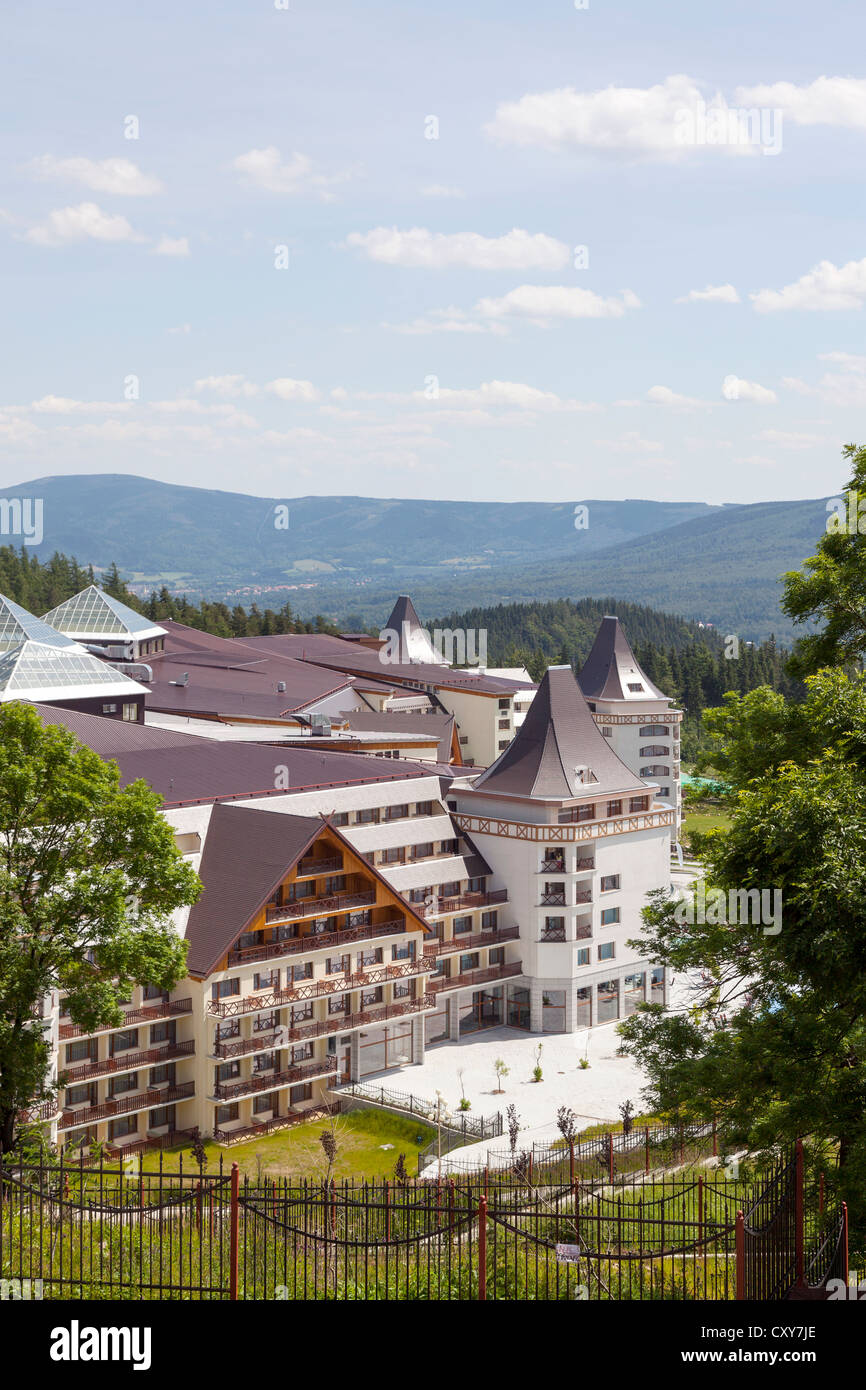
(380, 815)
(576, 814)
(225, 1114)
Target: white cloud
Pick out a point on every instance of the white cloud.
(172, 246)
(631, 442)
(716, 294)
(288, 389)
(181, 328)
(63, 405)
(663, 395)
(117, 176)
(543, 302)
(734, 388)
(444, 321)
(826, 286)
(232, 385)
(844, 386)
(788, 439)
(267, 170)
(839, 101)
(65, 225)
(441, 190)
(515, 394)
(516, 250)
(643, 121)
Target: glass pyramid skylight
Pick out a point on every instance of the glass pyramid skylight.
(94, 613)
(34, 666)
(17, 626)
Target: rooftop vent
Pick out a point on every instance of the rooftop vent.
(281, 687)
(184, 679)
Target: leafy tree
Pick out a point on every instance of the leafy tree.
(89, 875)
(832, 587)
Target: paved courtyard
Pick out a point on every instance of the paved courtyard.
(593, 1093)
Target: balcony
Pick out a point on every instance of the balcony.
(37, 1113)
(552, 866)
(241, 1047)
(320, 907)
(553, 900)
(137, 1100)
(317, 941)
(472, 943)
(584, 863)
(273, 1081)
(128, 1061)
(255, 1131)
(464, 901)
(149, 1012)
(472, 978)
(310, 868)
(362, 979)
(583, 895)
(366, 1018)
(581, 933)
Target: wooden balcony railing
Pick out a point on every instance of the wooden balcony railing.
(260, 1042)
(291, 1117)
(553, 900)
(320, 907)
(365, 1018)
(318, 941)
(493, 937)
(308, 867)
(584, 862)
(340, 984)
(130, 1018)
(129, 1061)
(583, 895)
(472, 978)
(552, 866)
(581, 933)
(37, 1113)
(122, 1105)
(462, 902)
(272, 1081)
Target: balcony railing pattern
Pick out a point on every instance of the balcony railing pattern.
(272, 1081)
(581, 933)
(463, 901)
(341, 984)
(129, 1061)
(308, 867)
(553, 900)
(365, 1018)
(137, 1100)
(473, 978)
(317, 941)
(261, 1042)
(130, 1018)
(320, 907)
(472, 943)
(291, 1117)
(552, 866)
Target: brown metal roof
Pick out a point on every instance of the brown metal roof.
(558, 736)
(611, 666)
(438, 726)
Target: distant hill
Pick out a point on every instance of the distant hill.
(349, 555)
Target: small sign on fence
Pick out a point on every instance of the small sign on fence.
(567, 1254)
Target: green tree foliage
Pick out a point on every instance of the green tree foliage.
(831, 587)
(89, 875)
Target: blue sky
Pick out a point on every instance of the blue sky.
(435, 333)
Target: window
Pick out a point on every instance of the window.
(368, 816)
(396, 812)
(370, 997)
(162, 1116)
(159, 1076)
(614, 808)
(265, 1061)
(296, 973)
(638, 803)
(469, 961)
(80, 1095)
(503, 744)
(606, 950)
(122, 1042)
(609, 882)
(266, 979)
(82, 1051)
(607, 731)
(340, 1005)
(369, 958)
(227, 1071)
(150, 993)
(405, 951)
(489, 919)
(223, 989)
(654, 731)
(297, 1094)
(505, 703)
(337, 965)
(397, 855)
(302, 1053)
(654, 750)
(554, 925)
(583, 955)
(226, 1113)
(119, 1129)
(301, 1012)
(655, 770)
(335, 883)
(576, 813)
(422, 851)
(264, 1023)
(403, 989)
(109, 709)
(117, 1085)
(609, 916)
(635, 686)
(478, 885)
(449, 890)
(262, 1104)
(130, 713)
(228, 1030)
(341, 818)
(462, 926)
(497, 956)
(664, 791)
(423, 808)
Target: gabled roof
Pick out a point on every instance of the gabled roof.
(42, 671)
(557, 739)
(17, 625)
(247, 854)
(611, 669)
(438, 726)
(93, 614)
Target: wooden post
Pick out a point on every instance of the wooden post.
(800, 1215)
(234, 1233)
(482, 1249)
(741, 1257)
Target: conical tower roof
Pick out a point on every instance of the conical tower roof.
(558, 752)
(415, 644)
(611, 671)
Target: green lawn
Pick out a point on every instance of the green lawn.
(298, 1152)
(703, 816)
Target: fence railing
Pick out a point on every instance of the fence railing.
(115, 1232)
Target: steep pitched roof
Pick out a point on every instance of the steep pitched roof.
(247, 854)
(93, 614)
(415, 645)
(557, 738)
(17, 625)
(440, 726)
(611, 670)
